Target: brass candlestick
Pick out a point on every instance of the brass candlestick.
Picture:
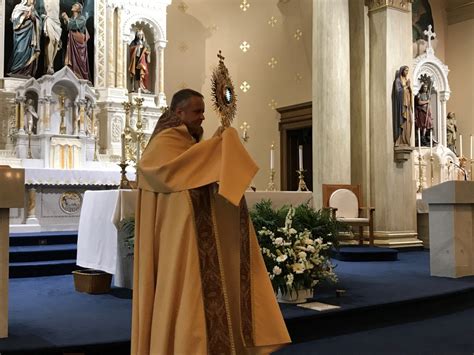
(29, 155)
(62, 112)
(472, 160)
(96, 158)
(301, 184)
(271, 183)
(420, 175)
(124, 182)
(432, 169)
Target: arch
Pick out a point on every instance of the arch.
(143, 21)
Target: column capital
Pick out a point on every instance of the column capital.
(375, 5)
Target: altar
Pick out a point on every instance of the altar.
(100, 244)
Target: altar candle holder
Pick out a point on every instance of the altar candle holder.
(301, 184)
(420, 174)
(62, 112)
(432, 169)
(124, 182)
(271, 183)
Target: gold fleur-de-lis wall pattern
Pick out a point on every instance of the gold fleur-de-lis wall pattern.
(245, 86)
(244, 5)
(245, 46)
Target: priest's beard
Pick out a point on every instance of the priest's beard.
(196, 132)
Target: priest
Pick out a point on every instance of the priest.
(200, 283)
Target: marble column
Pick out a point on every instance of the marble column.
(392, 183)
(110, 47)
(21, 117)
(47, 114)
(331, 95)
(160, 88)
(121, 70)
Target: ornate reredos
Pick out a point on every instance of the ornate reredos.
(430, 65)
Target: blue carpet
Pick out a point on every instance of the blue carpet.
(365, 253)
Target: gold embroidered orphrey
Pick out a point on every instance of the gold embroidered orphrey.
(70, 202)
(223, 93)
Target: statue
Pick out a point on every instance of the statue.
(423, 118)
(26, 40)
(31, 117)
(76, 52)
(402, 114)
(52, 32)
(140, 54)
(451, 132)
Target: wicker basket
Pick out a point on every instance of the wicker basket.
(92, 281)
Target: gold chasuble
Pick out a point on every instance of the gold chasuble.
(200, 283)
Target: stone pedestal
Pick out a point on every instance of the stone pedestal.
(11, 195)
(451, 214)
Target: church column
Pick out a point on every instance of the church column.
(21, 120)
(444, 97)
(47, 114)
(331, 96)
(160, 83)
(110, 47)
(124, 64)
(392, 183)
(119, 56)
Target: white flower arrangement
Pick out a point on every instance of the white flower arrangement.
(294, 259)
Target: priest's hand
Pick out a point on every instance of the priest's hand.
(219, 131)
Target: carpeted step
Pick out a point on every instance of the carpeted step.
(364, 253)
(42, 268)
(43, 238)
(42, 252)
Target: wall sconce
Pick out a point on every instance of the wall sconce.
(245, 134)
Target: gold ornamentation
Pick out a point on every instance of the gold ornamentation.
(183, 47)
(273, 21)
(273, 104)
(245, 46)
(183, 7)
(244, 5)
(272, 63)
(396, 4)
(301, 183)
(223, 93)
(245, 134)
(298, 34)
(70, 202)
(245, 86)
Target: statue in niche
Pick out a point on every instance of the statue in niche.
(26, 40)
(423, 117)
(76, 52)
(451, 132)
(402, 113)
(140, 57)
(31, 117)
(52, 32)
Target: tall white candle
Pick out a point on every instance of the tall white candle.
(419, 142)
(124, 158)
(460, 145)
(470, 155)
(272, 157)
(300, 155)
(431, 142)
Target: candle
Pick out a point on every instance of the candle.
(419, 142)
(139, 92)
(300, 155)
(470, 155)
(460, 145)
(431, 143)
(272, 156)
(123, 147)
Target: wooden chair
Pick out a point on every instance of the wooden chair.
(344, 202)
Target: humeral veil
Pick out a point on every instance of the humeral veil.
(200, 284)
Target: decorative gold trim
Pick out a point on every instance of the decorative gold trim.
(223, 93)
(375, 5)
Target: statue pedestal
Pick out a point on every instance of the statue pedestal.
(12, 194)
(451, 215)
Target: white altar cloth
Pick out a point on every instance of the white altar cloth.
(39, 176)
(101, 247)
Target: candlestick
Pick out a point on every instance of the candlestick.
(420, 174)
(432, 169)
(271, 183)
(124, 182)
(272, 157)
(419, 142)
(460, 145)
(300, 156)
(124, 156)
(301, 184)
(470, 153)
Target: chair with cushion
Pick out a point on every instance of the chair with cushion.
(344, 202)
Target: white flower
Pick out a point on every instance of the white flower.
(310, 248)
(276, 270)
(278, 241)
(289, 279)
(281, 258)
(298, 268)
(309, 241)
(302, 255)
(292, 231)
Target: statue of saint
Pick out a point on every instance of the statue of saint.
(402, 113)
(140, 55)
(26, 40)
(76, 52)
(451, 132)
(52, 32)
(31, 117)
(423, 118)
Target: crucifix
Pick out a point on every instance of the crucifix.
(430, 34)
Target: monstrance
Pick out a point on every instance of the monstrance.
(223, 94)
